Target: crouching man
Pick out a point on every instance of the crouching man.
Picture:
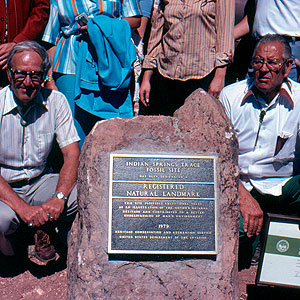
(31, 116)
(265, 113)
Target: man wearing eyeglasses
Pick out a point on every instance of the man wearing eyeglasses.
(265, 113)
(31, 117)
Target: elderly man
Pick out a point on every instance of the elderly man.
(265, 113)
(31, 117)
(275, 17)
(20, 20)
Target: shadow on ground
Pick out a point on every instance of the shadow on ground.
(256, 292)
(11, 267)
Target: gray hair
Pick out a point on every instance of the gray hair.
(271, 38)
(31, 46)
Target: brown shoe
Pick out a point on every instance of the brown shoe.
(44, 251)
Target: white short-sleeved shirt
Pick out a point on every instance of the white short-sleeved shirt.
(277, 16)
(24, 149)
(267, 155)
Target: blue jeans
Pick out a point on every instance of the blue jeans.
(146, 7)
(295, 45)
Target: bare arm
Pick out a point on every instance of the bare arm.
(146, 87)
(134, 22)
(241, 28)
(50, 84)
(67, 180)
(217, 82)
(251, 212)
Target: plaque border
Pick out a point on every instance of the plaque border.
(284, 220)
(164, 252)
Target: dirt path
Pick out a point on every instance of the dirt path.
(42, 283)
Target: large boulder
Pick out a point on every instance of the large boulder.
(198, 127)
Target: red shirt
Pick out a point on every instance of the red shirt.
(25, 19)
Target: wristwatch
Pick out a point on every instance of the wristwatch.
(60, 195)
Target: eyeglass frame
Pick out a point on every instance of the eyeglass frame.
(263, 61)
(13, 73)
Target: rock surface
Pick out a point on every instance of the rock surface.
(199, 127)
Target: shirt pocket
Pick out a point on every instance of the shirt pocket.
(285, 145)
(45, 141)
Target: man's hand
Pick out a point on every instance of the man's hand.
(51, 85)
(54, 208)
(4, 51)
(251, 212)
(33, 214)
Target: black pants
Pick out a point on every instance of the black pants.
(168, 95)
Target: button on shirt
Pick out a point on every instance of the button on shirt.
(25, 142)
(267, 134)
(189, 39)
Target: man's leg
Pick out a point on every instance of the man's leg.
(289, 202)
(9, 223)
(42, 191)
(247, 247)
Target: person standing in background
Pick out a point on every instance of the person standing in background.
(190, 45)
(139, 42)
(69, 35)
(20, 20)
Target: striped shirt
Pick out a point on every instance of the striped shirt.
(24, 149)
(190, 38)
(62, 29)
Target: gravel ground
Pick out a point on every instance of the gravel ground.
(49, 283)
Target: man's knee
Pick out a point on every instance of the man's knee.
(8, 219)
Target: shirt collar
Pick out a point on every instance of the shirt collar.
(10, 103)
(285, 92)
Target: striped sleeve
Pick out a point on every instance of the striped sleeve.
(224, 30)
(154, 44)
(131, 8)
(51, 34)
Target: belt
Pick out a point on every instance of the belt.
(21, 183)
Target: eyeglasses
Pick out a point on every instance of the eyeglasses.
(20, 75)
(272, 64)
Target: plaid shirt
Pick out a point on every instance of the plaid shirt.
(62, 29)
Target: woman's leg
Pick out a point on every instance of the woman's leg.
(66, 84)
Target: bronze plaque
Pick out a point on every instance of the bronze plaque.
(162, 204)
